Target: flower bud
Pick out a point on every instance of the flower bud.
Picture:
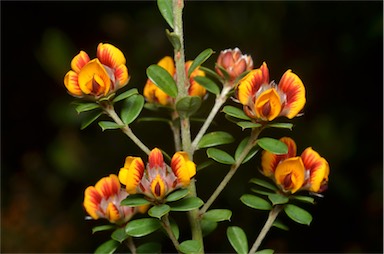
(234, 63)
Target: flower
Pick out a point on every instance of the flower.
(156, 180)
(155, 95)
(98, 77)
(292, 173)
(264, 100)
(234, 63)
(103, 201)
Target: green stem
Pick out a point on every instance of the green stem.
(268, 224)
(167, 227)
(131, 245)
(110, 111)
(251, 143)
(175, 127)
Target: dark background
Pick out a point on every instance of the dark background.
(46, 161)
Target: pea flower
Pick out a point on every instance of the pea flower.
(292, 173)
(153, 94)
(98, 77)
(264, 100)
(103, 201)
(234, 63)
(156, 180)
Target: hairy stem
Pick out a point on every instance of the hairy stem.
(131, 245)
(167, 227)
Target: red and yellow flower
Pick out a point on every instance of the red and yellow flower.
(264, 100)
(292, 173)
(103, 201)
(98, 77)
(153, 94)
(156, 180)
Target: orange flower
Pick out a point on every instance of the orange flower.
(265, 101)
(234, 63)
(156, 180)
(99, 77)
(293, 173)
(103, 201)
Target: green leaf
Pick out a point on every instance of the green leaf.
(134, 200)
(220, 156)
(204, 165)
(305, 199)
(126, 94)
(106, 125)
(142, 227)
(278, 199)
(240, 149)
(207, 84)
(174, 39)
(298, 214)
(153, 119)
(166, 9)
(107, 247)
(261, 192)
(190, 246)
(245, 125)
(150, 247)
(162, 79)
(119, 235)
(238, 239)
(174, 228)
(188, 105)
(159, 211)
(131, 108)
(81, 107)
(265, 251)
(218, 215)
(255, 202)
(102, 228)
(281, 125)
(199, 60)
(177, 195)
(263, 184)
(235, 112)
(215, 138)
(90, 118)
(208, 226)
(280, 225)
(210, 73)
(186, 204)
(273, 145)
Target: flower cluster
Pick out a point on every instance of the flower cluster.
(156, 180)
(292, 173)
(154, 94)
(264, 100)
(98, 77)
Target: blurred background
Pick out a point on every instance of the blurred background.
(336, 48)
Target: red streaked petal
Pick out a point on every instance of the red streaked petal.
(290, 174)
(158, 187)
(183, 168)
(79, 61)
(110, 56)
(318, 169)
(292, 86)
(112, 213)
(92, 199)
(71, 83)
(108, 186)
(121, 74)
(155, 158)
(94, 79)
(131, 174)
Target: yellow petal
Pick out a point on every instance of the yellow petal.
(290, 174)
(155, 159)
(121, 74)
(92, 199)
(294, 89)
(108, 186)
(168, 64)
(318, 169)
(183, 168)
(93, 79)
(110, 56)
(158, 187)
(112, 213)
(70, 82)
(131, 174)
(268, 105)
(79, 61)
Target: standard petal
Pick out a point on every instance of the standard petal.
(155, 159)
(121, 75)
(294, 90)
(92, 200)
(108, 186)
(289, 174)
(268, 105)
(318, 169)
(131, 174)
(183, 168)
(94, 79)
(79, 61)
(112, 213)
(168, 64)
(71, 83)
(110, 56)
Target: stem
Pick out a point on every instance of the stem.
(251, 143)
(110, 111)
(175, 127)
(167, 227)
(268, 224)
(220, 100)
(131, 245)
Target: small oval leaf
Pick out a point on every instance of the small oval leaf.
(106, 125)
(162, 79)
(305, 199)
(263, 184)
(220, 156)
(238, 239)
(186, 204)
(280, 225)
(132, 108)
(177, 195)
(151, 247)
(281, 125)
(134, 200)
(166, 9)
(245, 125)
(210, 73)
(218, 215)
(159, 211)
(102, 228)
(81, 107)
(273, 145)
(107, 247)
(90, 118)
(278, 199)
(199, 60)
(255, 202)
(126, 94)
(207, 84)
(208, 226)
(119, 235)
(142, 227)
(298, 214)
(174, 39)
(188, 105)
(240, 149)
(235, 112)
(190, 246)
(215, 138)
